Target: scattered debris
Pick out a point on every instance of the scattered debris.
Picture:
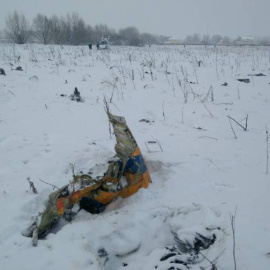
(63, 95)
(29, 231)
(192, 82)
(76, 95)
(195, 243)
(103, 255)
(32, 186)
(35, 232)
(257, 75)
(91, 206)
(200, 63)
(19, 68)
(2, 72)
(186, 252)
(244, 80)
(199, 128)
(153, 142)
(147, 121)
(225, 84)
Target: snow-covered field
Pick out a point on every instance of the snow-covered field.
(176, 106)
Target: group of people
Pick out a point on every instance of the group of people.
(90, 45)
(102, 44)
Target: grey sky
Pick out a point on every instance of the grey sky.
(176, 18)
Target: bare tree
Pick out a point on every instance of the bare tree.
(205, 40)
(131, 35)
(17, 28)
(148, 38)
(66, 28)
(70, 30)
(216, 39)
(43, 29)
(79, 31)
(101, 30)
(56, 29)
(194, 39)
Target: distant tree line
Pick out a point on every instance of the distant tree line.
(197, 39)
(71, 30)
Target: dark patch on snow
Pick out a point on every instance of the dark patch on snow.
(244, 80)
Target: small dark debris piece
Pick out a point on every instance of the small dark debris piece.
(76, 95)
(202, 242)
(172, 248)
(32, 186)
(125, 264)
(19, 68)
(167, 256)
(146, 121)
(76, 92)
(92, 206)
(258, 75)
(69, 215)
(2, 72)
(244, 80)
(192, 82)
(152, 142)
(200, 128)
(225, 84)
(102, 252)
(63, 95)
(179, 262)
(200, 63)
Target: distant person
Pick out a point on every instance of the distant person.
(90, 46)
(98, 45)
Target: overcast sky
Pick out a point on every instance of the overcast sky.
(176, 18)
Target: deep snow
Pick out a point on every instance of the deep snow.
(201, 174)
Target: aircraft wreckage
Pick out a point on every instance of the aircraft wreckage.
(126, 174)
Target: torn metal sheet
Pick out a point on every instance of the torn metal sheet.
(126, 174)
